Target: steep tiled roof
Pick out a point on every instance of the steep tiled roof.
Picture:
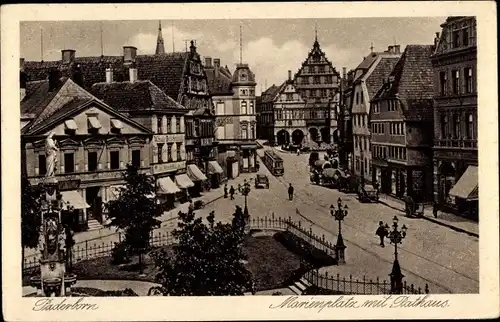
(165, 70)
(42, 104)
(269, 94)
(375, 80)
(219, 85)
(136, 96)
(412, 76)
(37, 97)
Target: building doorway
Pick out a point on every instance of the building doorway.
(283, 137)
(325, 134)
(336, 136)
(447, 178)
(313, 134)
(93, 198)
(297, 137)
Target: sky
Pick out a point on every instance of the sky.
(270, 47)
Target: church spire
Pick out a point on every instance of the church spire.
(160, 48)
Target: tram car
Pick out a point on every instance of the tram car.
(274, 163)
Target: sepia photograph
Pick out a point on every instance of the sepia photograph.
(285, 158)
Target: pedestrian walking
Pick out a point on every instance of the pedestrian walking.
(435, 209)
(290, 192)
(239, 187)
(231, 192)
(225, 190)
(298, 151)
(381, 232)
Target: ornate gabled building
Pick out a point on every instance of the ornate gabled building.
(179, 75)
(291, 114)
(455, 116)
(95, 144)
(368, 78)
(317, 82)
(235, 109)
(401, 122)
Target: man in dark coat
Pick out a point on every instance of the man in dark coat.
(435, 210)
(381, 232)
(231, 192)
(225, 190)
(290, 192)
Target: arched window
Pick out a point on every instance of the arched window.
(244, 132)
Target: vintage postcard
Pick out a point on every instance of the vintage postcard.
(249, 161)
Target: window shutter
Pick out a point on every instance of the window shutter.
(173, 152)
(183, 152)
(164, 152)
(174, 124)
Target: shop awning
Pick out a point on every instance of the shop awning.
(167, 186)
(71, 124)
(74, 199)
(214, 167)
(94, 122)
(183, 181)
(195, 173)
(467, 185)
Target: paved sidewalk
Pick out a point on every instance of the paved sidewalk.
(451, 221)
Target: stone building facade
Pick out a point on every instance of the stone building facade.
(95, 145)
(401, 121)
(455, 116)
(317, 82)
(234, 98)
(265, 114)
(368, 77)
(290, 115)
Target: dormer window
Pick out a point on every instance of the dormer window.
(116, 126)
(93, 124)
(243, 77)
(70, 127)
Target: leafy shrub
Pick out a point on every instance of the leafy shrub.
(120, 254)
(125, 292)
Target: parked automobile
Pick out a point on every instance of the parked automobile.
(261, 180)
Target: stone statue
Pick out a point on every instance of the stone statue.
(50, 155)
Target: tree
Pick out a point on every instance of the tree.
(31, 219)
(135, 211)
(208, 259)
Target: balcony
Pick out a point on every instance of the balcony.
(456, 143)
(89, 176)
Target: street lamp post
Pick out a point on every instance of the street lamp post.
(339, 214)
(245, 191)
(396, 237)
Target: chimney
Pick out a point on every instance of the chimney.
(390, 49)
(109, 75)
(129, 53)
(132, 73)
(53, 79)
(217, 66)
(208, 62)
(68, 56)
(344, 72)
(397, 49)
(290, 75)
